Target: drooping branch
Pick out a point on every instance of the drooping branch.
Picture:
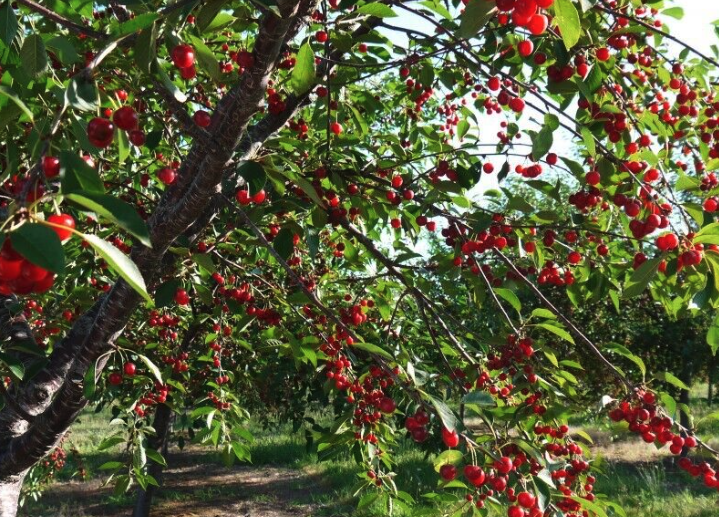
(61, 20)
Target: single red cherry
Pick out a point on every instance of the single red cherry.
(10, 269)
(526, 499)
(167, 175)
(137, 137)
(450, 438)
(336, 128)
(50, 166)
(516, 104)
(181, 297)
(538, 24)
(243, 197)
(448, 472)
(321, 36)
(574, 257)
(525, 48)
(474, 475)
(100, 132)
(202, 118)
(32, 272)
(183, 56)
(515, 511)
(397, 181)
(387, 405)
(126, 118)
(188, 73)
(245, 59)
(504, 465)
(259, 197)
(115, 379)
(65, 220)
(602, 54)
(129, 369)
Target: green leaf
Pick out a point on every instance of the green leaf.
(8, 24)
(89, 384)
(206, 59)
(145, 48)
(10, 94)
(567, 18)
(208, 12)
(445, 414)
(303, 74)
(13, 364)
(542, 142)
(64, 50)
(377, 9)
(479, 398)
(448, 457)
(33, 56)
(111, 465)
(165, 293)
(155, 456)
(115, 210)
(372, 349)
(670, 378)
(174, 90)
(82, 93)
(462, 128)
(589, 142)
(205, 262)
(475, 16)
(120, 263)
(625, 352)
(254, 175)
(77, 176)
(510, 297)
(283, 243)
(557, 331)
(592, 506)
(40, 245)
(674, 12)
(713, 336)
(219, 22)
(152, 367)
(641, 277)
(138, 23)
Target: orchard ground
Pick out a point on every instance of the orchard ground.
(285, 479)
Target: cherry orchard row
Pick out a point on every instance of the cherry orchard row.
(357, 153)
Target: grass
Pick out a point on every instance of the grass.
(635, 476)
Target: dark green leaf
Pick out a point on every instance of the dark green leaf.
(10, 94)
(567, 18)
(40, 245)
(8, 24)
(641, 277)
(206, 59)
(13, 364)
(78, 176)
(33, 56)
(475, 16)
(115, 210)
(254, 175)
(377, 9)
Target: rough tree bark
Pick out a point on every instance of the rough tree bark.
(162, 423)
(10, 495)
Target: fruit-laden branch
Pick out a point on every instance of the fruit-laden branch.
(55, 394)
(572, 327)
(62, 21)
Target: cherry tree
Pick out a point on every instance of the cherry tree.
(212, 205)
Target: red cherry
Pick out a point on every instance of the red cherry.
(126, 118)
(603, 54)
(181, 297)
(526, 499)
(31, 272)
(515, 511)
(115, 379)
(183, 56)
(592, 178)
(188, 73)
(396, 223)
(245, 59)
(544, 3)
(243, 197)
(538, 24)
(202, 118)
(450, 438)
(129, 369)
(516, 104)
(259, 197)
(474, 475)
(137, 137)
(62, 220)
(387, 405)
(525, 48)
(100, 132)
(419, 434)
(9, 269)
(448, 472)
(336, 128)
(504, 465)
(362, 47)
(50, 166)
(321, 36)
(167, 175)
(574, 257)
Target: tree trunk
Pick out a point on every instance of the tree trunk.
(10, 495)
(161, 423)
(710, 379)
